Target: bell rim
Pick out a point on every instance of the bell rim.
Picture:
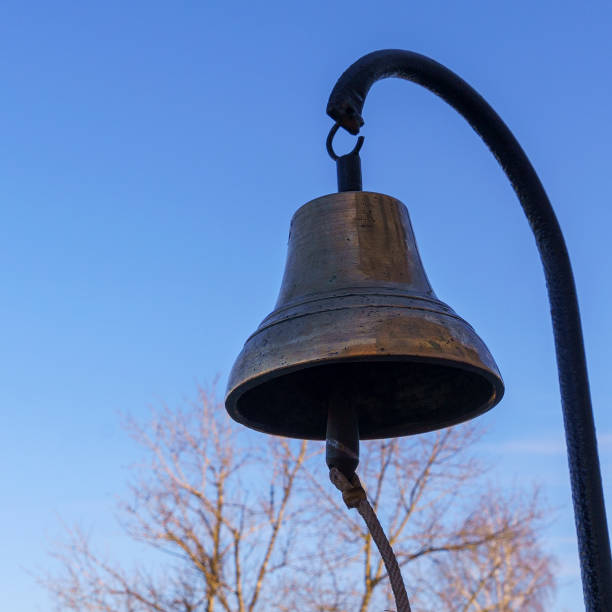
(493, 378)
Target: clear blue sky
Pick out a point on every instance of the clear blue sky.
(151, 157)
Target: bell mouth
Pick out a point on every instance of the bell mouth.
(392, 397)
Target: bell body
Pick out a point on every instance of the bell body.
(357, 318)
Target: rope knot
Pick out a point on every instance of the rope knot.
(352, 491)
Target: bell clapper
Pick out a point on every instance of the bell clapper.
(342, 436)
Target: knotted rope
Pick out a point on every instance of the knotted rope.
(354, 496)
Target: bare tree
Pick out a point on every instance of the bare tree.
(220, 507)
(254, 526)
(508, 572)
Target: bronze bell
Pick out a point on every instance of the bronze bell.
(358, 324)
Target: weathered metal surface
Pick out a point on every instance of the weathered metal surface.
(345, 106)
(356, 315)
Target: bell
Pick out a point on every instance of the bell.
(357, 324)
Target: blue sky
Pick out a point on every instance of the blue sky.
(151, 157)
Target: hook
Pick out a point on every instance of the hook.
(330, 148)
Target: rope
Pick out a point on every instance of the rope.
(354, 496)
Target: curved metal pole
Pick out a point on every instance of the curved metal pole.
(345, 106)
